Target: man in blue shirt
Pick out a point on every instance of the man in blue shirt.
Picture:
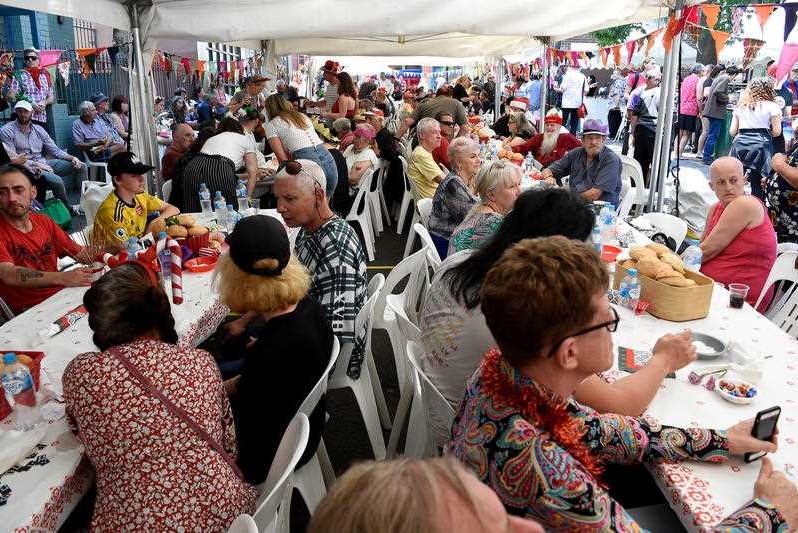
(533, 92)
(594, 170)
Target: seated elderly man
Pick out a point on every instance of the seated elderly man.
(422, 168)
(44, 158)
(594, 169)
(30, 245)
(552, 144)
(545, 302)
(123, 214)
(329, 248)
(739, 242)
(92, 135)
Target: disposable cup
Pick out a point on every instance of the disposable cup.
(737, 294)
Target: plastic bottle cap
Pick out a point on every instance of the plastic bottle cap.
(10, 358)
(218, 194)
(632, 272)
(162, 235)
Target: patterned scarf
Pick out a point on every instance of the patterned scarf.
(555, 418)
(35, 73)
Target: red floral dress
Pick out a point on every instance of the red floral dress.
(154, 473)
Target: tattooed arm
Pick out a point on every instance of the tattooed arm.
(16, 276)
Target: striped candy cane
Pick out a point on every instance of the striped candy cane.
(177, 271)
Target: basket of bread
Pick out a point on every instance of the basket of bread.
(672, 292)
(185, 230)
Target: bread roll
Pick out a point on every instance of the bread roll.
(659, 249)
(177, 231)
(673, 260)
(638, 252)
(157, 226)
(648, 266)
(666, 271)
(678, 281)
(197, 231)
(629, 263)
(186, 220)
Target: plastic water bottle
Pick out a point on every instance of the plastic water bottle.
(241, 194)
(232, 217)
(692, 256)
(608, 219)
(630, 289)
(529, 163)
(132, 247)
(18, 386)
(205, 199)
(165, 262)
(596, 238)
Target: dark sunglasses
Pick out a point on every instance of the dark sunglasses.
(293, 168)
(31, 58)
(443, 123)
(611, 325)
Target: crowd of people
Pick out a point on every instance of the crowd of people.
(515, 326)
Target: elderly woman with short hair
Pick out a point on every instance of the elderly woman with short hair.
(360, 156)
(497, 184)
(260, 275)
(454, 197)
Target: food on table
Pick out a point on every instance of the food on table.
(668, 268)
(157, 226)
(648, 266)
(639, 252)
(197, 231)
(177, 231)
(217, 237)
(659, 249)
(629, 263)
(172, 221)
(737, 389)
(703, 347)
(673, 260)
(186, 220)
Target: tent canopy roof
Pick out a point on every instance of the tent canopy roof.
(412, 27)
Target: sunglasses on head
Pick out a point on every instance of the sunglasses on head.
(294, 167)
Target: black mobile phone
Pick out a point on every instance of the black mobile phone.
(764, 428)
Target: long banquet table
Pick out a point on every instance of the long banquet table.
(702, 494)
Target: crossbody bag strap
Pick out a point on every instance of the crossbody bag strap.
(176, 410)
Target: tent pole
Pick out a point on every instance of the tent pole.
(497, 94)
(544, 82)
(661, 160)
(146, 128)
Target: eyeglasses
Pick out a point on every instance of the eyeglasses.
(611, 325)
(31, 58)
(294, 167)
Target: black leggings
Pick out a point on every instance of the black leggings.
(644, 149)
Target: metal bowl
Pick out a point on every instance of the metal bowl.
(718, 347)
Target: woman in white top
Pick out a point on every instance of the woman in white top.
(216, 164)
(291, 136)
(360, 156)
(755, 122)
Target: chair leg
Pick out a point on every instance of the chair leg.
(416, 444)
(411, 238)
(376, 214)
(309, 481)
(365, 225)
(400, 224)
(325, 464)
(379, 396)
(402, 410)
(384, 206)
(399, 358)
(364, 395)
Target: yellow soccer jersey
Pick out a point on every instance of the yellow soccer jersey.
(117, 221)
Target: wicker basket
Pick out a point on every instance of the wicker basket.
(676, 304)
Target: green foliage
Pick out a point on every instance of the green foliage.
(726, 10)
(616, 35)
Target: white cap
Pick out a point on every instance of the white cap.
(24, 104)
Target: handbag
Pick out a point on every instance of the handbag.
(176, 410)
(581, 111)
(55, 209)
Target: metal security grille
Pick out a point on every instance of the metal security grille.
(85, 34)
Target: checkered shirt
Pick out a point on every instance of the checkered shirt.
(335, 259)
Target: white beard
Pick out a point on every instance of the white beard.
(549, 142)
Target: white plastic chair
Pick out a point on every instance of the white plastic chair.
(274, 502)
(360, 214)
(786, 247)
(408, 197)
(312, 479)
(422, 213)
(102, 168)
(427, 241)
(166, 190)
(783, 278)
(425, 210)
(630, 169)
(672, 226)
(85, 185)
(367, 388)
(383, 175)
(376, 199)
(91, 199)
(625, 200)
(243, 524)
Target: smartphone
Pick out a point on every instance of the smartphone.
(764, 428)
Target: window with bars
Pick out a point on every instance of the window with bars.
(85, 34)
(224, 52)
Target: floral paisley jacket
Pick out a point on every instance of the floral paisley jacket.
(535, 477)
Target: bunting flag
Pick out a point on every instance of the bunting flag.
(574, 58)
(63, 70)
(720, 38)
(711, 13)
(788, 56)
(763, 13)
(88, 59)
(604, 53)
(650, 39)
(48, 58)
(630, 51)
(693, 31)
(213, 67)
(790, 17)
(616, 54)
(51, 71)
(670, 32)
(113, 51)
(738, 14)
(750, 49)
(186, 62)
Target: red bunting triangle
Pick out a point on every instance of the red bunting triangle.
(630, 50)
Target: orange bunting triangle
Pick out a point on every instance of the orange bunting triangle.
(720, 38)
(711, 13)
(763, 13)
(670, 32)
(650, 39)
(604, 53)
(616, 54)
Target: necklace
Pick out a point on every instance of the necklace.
(566, 429)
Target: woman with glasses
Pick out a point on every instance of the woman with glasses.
(739, 242)
(497, 185)
(35, 84)
(544, 453)
(455, 336)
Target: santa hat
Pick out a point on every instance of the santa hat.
(553, 116)
(520, 103)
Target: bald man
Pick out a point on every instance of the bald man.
(182, 137)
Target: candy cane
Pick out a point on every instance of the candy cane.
(160, 244)
(177, 271)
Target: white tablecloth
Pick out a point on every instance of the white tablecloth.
(703, 494)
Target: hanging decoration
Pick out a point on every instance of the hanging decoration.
(88, 59)
(49, 58)
(604, 53)
(738, 14)
(670, 33)
(711, 14)
(650, 39)
(630, 50)
(750, 50)
(720, 38)
(787, 58)
(790, 17)
(113, 51)
(763, 13)
(616, 54)
(63, 70)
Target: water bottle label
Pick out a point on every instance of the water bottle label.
(17, 384)
(634, 293)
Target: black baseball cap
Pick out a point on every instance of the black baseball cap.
(259, 237)
(127, 163)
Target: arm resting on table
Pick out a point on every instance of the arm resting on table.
(17, 276)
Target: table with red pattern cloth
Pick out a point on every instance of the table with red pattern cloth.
(703, 494)
(39, 492)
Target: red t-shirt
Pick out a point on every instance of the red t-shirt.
(38, 249)
(441, 153)
(565, 142)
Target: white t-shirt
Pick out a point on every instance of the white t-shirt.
(293, 138)
(758, 117)
(573, 85)
(364, 155)
(231, 145)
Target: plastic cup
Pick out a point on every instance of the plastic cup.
(254, 203)
(737, 294)
(97, 270)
